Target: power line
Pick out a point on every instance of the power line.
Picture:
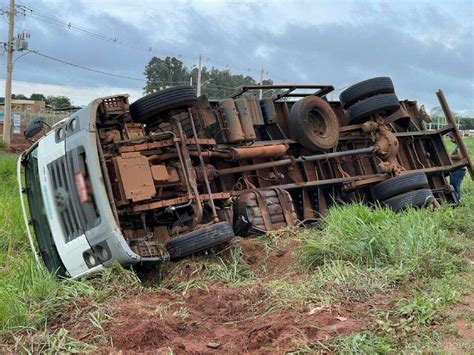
(37, 14)
(43, 16)
(100, 71)
(85, 68)
(63, 85)
(105, 86)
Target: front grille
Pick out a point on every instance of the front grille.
(66, 198)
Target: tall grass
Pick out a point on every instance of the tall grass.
(12, 232)
(415, 241)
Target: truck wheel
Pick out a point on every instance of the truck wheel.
(314, 124)
(399, 185)
(417, 198)
(176, 98)
(200, 240)
(365, 89)
(381, 104)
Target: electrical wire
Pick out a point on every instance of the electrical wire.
(83, 67)
(43, 16)
(63, 85)
(100, 71)
(39, 15)
(46, 17)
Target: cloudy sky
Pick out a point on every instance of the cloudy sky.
(422, 45)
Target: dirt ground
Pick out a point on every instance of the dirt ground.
(215, 317)
(461, 340)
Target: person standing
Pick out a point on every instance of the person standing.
(456, 176)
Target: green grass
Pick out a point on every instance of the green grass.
(410, 326)
(356, 252)
(373, 237)
(29, 296)
(12, 233)
(361, 249)
(232, 270)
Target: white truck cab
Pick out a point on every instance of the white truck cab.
(69, 209)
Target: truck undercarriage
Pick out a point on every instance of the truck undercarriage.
(184, 174)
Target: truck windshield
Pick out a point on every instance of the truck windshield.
(39, 219)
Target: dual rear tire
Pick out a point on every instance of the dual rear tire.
(369, 98)
(401, 192)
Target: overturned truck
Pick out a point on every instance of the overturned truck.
(173, 174)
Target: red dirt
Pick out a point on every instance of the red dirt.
(212, 317)
(463, 313)
(216, 317)
(278, 260)
(236, 320)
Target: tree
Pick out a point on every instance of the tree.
(161, 73)
(37, 97)
(58, 102)
(466, 123)
(19, 97)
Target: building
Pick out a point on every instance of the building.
(25, 106)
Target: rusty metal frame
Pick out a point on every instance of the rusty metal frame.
(322, 90)
(314, 179)
(454, 128)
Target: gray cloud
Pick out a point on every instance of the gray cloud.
(423, 47)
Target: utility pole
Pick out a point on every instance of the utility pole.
(7, 120)
(199, 76)
(260, 95)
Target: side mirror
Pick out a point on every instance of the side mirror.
(34, 127)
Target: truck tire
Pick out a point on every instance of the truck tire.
(417, 198)
(175, 98)
(365, 89)
(314, 124)
(381, 104)
(200, 240)
(399, 185)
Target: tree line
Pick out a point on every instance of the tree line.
(464, 122)
(57, 102)
(216, 84)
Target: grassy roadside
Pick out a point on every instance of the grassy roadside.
(30, 297)
(356, 253)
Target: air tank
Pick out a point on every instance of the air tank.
(268, 110)
(245, 119)
(231, 122)
(254, 109)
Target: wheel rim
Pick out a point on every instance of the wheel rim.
(318, 124)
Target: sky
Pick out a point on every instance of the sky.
(422, 45)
